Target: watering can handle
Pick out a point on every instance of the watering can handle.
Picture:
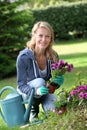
(1, 91)
(7, 88)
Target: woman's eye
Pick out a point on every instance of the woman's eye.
(47, 36)
(40, 35)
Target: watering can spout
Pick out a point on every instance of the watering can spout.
(28, 109)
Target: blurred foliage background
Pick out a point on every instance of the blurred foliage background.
(68, 18)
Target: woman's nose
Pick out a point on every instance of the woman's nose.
(44, 38)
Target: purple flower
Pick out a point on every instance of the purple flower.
(62, 62)
(53, 66)
(70, 67)
(69, 98)
(60, 68)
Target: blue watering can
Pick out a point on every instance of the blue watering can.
(13, 109)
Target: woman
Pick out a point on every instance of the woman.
(34, 68)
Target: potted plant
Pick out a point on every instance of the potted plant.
(58, 69)
(61, 102)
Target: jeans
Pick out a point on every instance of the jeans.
(47, 101)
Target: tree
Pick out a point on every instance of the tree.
(45, 3)
(15, 22)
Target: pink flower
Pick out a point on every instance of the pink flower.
(73, 92)
(81, 95)
(85, 95)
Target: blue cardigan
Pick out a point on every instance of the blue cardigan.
(27, 70)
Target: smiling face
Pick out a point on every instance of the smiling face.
(42, 38)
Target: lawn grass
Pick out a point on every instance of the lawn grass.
(74, 52)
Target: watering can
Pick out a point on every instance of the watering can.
(13, 109)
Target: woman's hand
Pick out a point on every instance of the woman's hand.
(42, 91)
(59, 80)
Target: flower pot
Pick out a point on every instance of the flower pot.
(61, 111)
(52, 87)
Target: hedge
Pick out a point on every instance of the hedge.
(68, 21)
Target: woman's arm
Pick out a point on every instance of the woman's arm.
(21, 66)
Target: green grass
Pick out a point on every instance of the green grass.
(74, 52)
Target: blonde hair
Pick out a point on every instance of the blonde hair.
(49, 51)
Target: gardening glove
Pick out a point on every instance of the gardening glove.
(59, 80)
(42, 91)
